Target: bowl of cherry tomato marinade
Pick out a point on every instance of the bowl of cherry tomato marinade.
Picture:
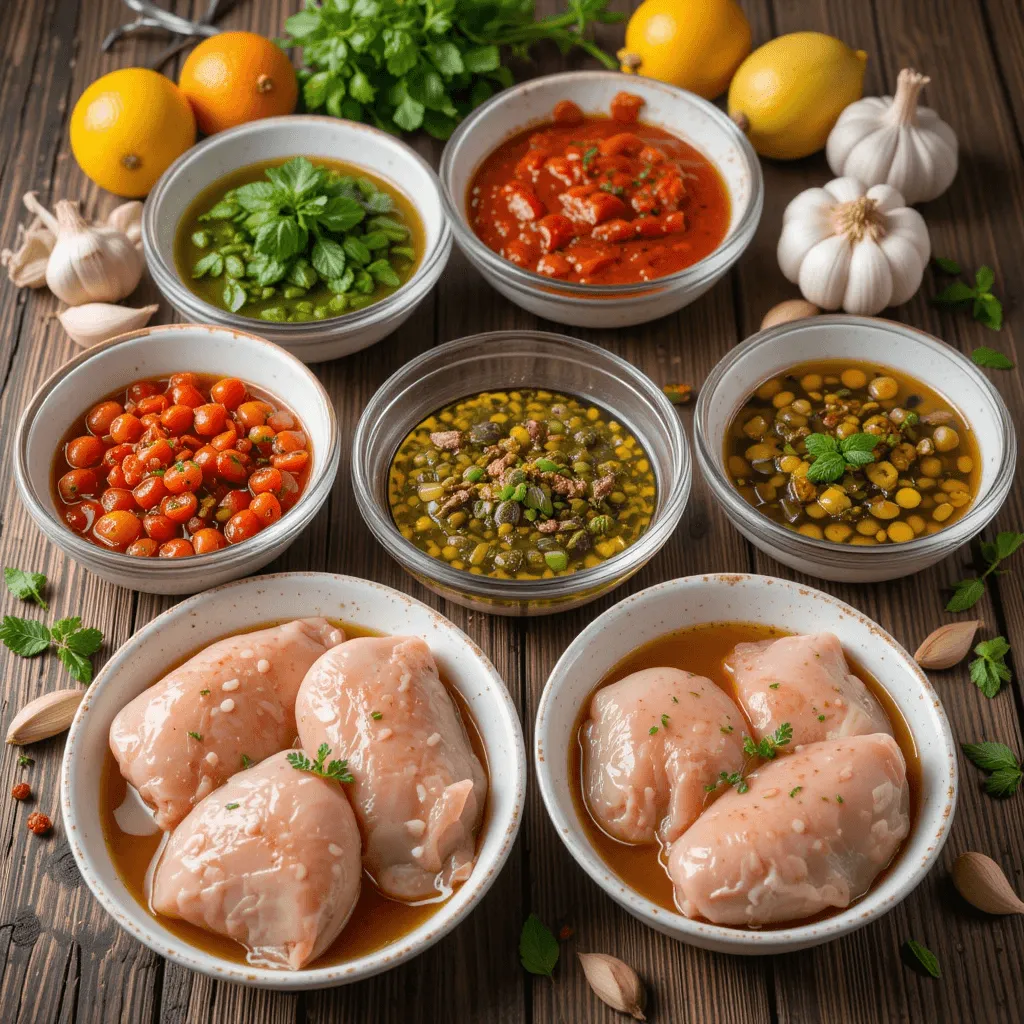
(178, 457)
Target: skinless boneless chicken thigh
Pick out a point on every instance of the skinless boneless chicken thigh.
(803, 680)
(270, 859)
(237, 696)
(419, 789)
(642, 784)
(813, 831)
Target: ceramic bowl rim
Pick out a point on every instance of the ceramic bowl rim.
(573, 293)
(163, 942)
(907, 874)
(718, 387)
(311, 332)
(286, 529)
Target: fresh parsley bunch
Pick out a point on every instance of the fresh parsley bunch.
(424, 63)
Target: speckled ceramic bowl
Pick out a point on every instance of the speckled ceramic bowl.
(682, 603)
(238, 606)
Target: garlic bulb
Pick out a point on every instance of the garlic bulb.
(93, 322)
(892, 141)
(89, 263)
(853, 248)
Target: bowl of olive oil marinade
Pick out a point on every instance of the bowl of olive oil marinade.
(320, 235)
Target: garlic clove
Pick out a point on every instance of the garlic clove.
(788, 311)
(981, 882)
(26, 262)
(127, 218)
(94, 322)
(44, 717)
(615, 983)
(948, 645)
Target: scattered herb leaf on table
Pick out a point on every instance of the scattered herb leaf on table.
(1000, 762)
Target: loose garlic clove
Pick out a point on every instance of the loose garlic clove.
(788, 311)
(948, 645)
(95, 322)
(980, 880)
(44, 717)
(615, 983)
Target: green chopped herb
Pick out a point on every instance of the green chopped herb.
(796, 789)
(376, 715)
(195, 735)
(653, 729)
(337, 770)
(25, 761)
(231, 806)
(921, 956)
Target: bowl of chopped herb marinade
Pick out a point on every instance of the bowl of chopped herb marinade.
(321, 235)
(519, 472)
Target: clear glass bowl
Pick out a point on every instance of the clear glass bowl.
(509, 359)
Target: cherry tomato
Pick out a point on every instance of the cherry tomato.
(156, 455)
(177, 547)
(293, 462)
(144, 547)
(241, 526)
(208, 540)
(206, 460)
(210, 419)
(134, 469)
(154, 404)
(281, 420)
(230, 392)
(230, 504)
(78, 483)
(177, 418)
(126, 429)
(191, 442)
(187, 394)
(143, 389)
(117, 529)
(262, 437)
(80, 517)
(117, 499)
(179, 508)
(116, 455)
(233, 466)
(115, 478)
(289, 493)
(289, 441)
(243, 445)
(266, 508)
(99, 417)
(177, 379)
(265, 479)
(84, 452)
(159, 527)
(183, 476)
(222, 442)
(253, 414)
(150, 492)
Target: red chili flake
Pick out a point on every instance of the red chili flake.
(39, 823)
(565, 933)
(21, 791)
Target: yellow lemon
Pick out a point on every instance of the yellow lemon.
(128, 127)
(788, 93)
(695, 44)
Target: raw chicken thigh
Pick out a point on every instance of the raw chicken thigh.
(654, 740)
(270, 859)
(187, 734)
(803, 680)
(813, 831)
(419, 789)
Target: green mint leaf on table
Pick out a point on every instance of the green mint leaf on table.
(985, 307)
(1000, 761)
(26, 585)
(24, 636)
(947, 266)
(968, 592)
(956, 294)
(24, 761)
(538, 947)
(923, 957)
(984, 278)
(991, 359)
(989, 670)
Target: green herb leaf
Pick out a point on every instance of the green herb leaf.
(24, 761)
(923, 956)
(210, 265)
(989, 670)
(24, 636)
(985, 307)
(538, 948)
(246, 761)
(796, 789)
(1000, 761)
(947, 266)
(480, 59)
(234, 296)
(824, 468)
(336, 770)
(991, 359)
(966, 594)
(196, 735)
(328, 258)
(26, 585)
(1007, 542)
(341, 213)
(955, 294)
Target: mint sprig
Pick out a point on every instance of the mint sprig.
(967, 593)
(833, 456)
(990, 359)
(73, 644)
(26, 585)
(985, 307)
(989, 669)
(1000, 762)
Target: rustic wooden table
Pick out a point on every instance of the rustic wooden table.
(62, 958)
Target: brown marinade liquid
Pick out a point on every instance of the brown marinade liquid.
(702, 650)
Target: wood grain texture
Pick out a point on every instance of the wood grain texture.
(61, 957)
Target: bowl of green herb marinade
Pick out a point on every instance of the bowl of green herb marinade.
(319, 234)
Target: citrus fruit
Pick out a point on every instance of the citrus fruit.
(235, 77)
(788, 93)
(128, 127)
(695, 44)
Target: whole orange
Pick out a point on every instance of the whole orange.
(128, 127)
(235, 77)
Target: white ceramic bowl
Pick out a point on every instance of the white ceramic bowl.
(682, 113)
(883, 343)
(159, 352)
(280, 137)
(681, 603)
(217, 613)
